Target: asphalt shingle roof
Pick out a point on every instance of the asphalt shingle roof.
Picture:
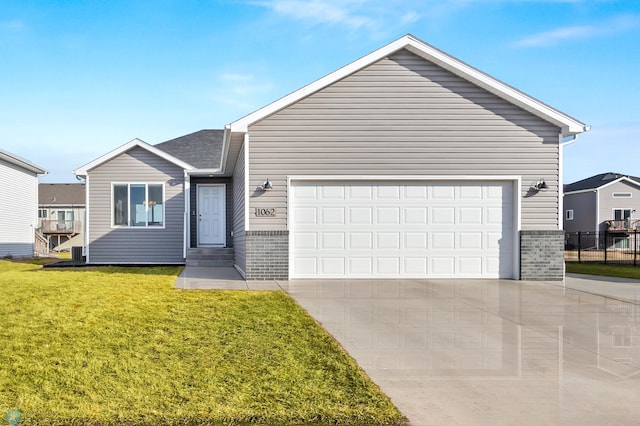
(202, 149)
(64, 194)
(596, 181)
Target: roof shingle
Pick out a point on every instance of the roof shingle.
(201, 149)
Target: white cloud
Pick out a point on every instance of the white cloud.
(242, 91)
(577, 32)
(321, 11)
(13, 25)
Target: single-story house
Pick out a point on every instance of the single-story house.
(608, 201)
(406, 163)
(18, 205)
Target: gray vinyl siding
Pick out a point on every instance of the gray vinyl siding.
(584, 212)
(239, 212)
(135, 245)
(194, 207)
(18, 210)
(608, 203)
(404, 115)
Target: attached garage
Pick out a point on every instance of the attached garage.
(422, 228)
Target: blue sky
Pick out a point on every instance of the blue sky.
(79, 78)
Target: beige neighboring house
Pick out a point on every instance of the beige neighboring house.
(18, 204)
(61, 213)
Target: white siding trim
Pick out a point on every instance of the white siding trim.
(246, 182)
(597, 227)
(86, 219)
(187, 213)
(560, 184)
(82, 171)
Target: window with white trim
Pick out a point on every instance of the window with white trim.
(621, 214)
(621, 195)
(569, 214)
(138, 204)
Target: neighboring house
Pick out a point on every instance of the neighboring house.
(61, 211)
(18, 205)
(406, 163)
(608, 201)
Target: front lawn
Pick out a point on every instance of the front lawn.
(623, 271)
(121, 346)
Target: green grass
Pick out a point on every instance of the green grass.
(121, 346)
(623, 271)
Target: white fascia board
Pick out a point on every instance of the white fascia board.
(204, 172)
(569, 125)
(582, 191)
(21, 162)
(82, 171)
(620, 179)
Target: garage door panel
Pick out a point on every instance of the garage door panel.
(406, 229)
(360, 216)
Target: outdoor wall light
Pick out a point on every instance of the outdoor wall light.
(266, 186)
(540, 185)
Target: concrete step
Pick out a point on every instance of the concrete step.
(208, 262)
(210, 250)
(210, 256)
(223, 256)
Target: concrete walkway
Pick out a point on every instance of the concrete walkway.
(219, 278)
(624, 289)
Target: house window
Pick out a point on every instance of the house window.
(138, 204)
(42, 213)
(621, 195)
(569, 215)
(621, 214)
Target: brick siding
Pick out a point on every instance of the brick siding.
(542, 255)
(267, 255)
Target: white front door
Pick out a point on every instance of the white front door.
(211, 215)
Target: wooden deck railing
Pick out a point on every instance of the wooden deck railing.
(61, 227)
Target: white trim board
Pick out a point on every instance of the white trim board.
(82, 171)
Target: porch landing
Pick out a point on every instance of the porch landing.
(219, 278)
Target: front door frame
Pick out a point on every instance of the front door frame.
(224, 214)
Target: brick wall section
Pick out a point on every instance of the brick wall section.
(267, 255)
(542, 255)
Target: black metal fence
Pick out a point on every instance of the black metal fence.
(603, 247)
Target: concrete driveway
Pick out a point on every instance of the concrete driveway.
(488, 352)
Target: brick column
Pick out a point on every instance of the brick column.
(267, 255)
(542, 255)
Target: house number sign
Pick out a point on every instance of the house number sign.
(265, 212)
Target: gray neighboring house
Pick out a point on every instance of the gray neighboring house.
(406, 163)
(18, 204)
(61, 212)
(608, 201)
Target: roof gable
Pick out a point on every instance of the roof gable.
(599, 181)
(21, 162)
(82, 171)
(569, 125)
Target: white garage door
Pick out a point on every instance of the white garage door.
(401, 229)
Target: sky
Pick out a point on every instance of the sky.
(80, 78)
